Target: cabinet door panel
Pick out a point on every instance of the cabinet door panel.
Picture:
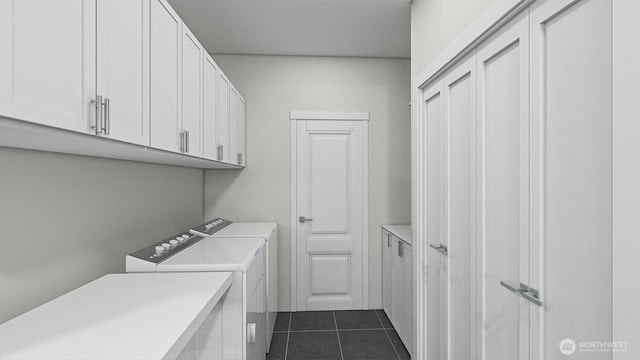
(407, 301)
(572, 161)
(387, 275)
(47, 62)
(123, 67)
(210, 111)
(223, 116)
(398, 287)
(504, 234)
(241, 132)
(460, 100)
(233, 125)
(166, 77)
(433, 117)
(192, 92)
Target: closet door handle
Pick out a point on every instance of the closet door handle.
(440, 248)
(532, 295)
(303, 219)
(513, 289)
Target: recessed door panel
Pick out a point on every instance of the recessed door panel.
(327, 275)
(573, 162)
(503, 115)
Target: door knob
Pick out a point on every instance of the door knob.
(440, 248)
(303, 219)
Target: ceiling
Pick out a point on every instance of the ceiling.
(362, 28)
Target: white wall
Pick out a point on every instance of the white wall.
(275, 85)
(66, 220)
(436, 23)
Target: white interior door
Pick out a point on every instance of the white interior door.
(460, 263)
(571, 102)
(433, 118)
(503, 113)
(330, 209)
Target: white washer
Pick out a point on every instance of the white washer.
(265, 230)
(244, 305)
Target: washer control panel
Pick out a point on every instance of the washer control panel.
(211, 227)
(166, 248)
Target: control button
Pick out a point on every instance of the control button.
(180, 240)
(185, 236)
(166, 246)
(173, 243)
(159, 250)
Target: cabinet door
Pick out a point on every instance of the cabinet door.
(503, 115)
(123, 69)
(407, 298)
(460, 233)
(210, 112)
(233, 125)
(192, 55)
(241, 132)
(571, 103)
(433, 117)
(398, 287)
(223, 117)
(48, 62)
(166, 76)
(387, 275)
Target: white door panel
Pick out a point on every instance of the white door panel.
(223, 117)
(572, 112)
(233, 125)
(192, 54)
(166, 77)
(210, 112)
(123, 67)
(503, 119)
(329, 192)
(433, 117)
(460, 114)
(48, 62)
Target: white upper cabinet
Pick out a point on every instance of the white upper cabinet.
(192, 81)
(223, 117)
(166, 77)
(241, 131)
(209, 108)
(233, 125)
(47, 62)
(123, 70)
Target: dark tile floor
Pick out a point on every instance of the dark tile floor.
(336, 335)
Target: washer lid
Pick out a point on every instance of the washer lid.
(261, 229)
(216, 254)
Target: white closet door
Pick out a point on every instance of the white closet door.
(503, 114)
(571, 102)
(460, 263)
(123, 68)
(48, 62)
(433, 117)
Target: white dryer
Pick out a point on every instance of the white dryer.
(244, 306)
(264, 230)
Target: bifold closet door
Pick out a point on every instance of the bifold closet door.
(571, 102)
(503, 172)
(433, 118)
(460, 209)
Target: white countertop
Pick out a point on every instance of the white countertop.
(401, 231)
(215, 254)
(263, 229)
(116, 317)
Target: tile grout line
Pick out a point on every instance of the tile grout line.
(337, 334)
(286, 348)
(388, 337)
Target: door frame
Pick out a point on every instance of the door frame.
(294, 116)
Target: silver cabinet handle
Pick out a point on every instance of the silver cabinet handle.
(388, 240)
(186, 141)
(106, 128)
(97, 103)
(513, 289)
(221, 152)
(239, 158)
(218, 152)
(181, 141)
(532, 295)
(303, 219)
(400, 249)
(440, 248)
